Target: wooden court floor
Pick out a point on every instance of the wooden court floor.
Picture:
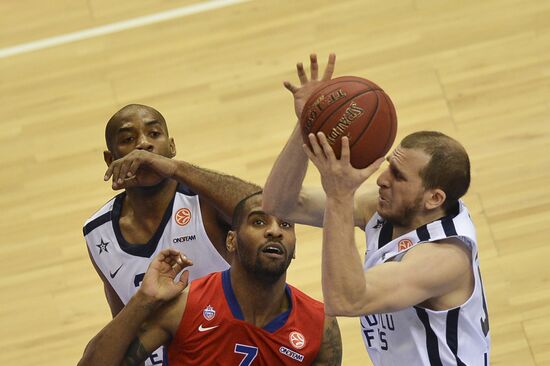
(477, 70)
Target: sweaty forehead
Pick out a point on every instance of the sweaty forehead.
(135, 113)
(132, 113)
(397, 154)
(409, 158)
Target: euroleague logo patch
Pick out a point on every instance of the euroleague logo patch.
(297, 340)
(183, 216)
(404, 244)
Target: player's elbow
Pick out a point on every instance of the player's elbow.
(341, 311)
(86, 360)
(333, 309)
(270, 205)
(276, 207)
(340, 306)
(94, 356)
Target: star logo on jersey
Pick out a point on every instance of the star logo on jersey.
(379, 223)
(297, 340)
(102, 246)
(209, 313)
(404, 244)
(182, 216)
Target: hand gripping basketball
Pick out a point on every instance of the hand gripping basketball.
(353, 107)
(338, 177)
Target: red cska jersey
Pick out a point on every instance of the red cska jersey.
(212, 330)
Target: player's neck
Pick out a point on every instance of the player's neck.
(417, 221)
(144, 202)
(259, 300)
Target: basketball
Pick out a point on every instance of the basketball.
(354, 107)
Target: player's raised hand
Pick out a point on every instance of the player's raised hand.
(308, 85)
(140, 168)
(159, 281)
(338, 176)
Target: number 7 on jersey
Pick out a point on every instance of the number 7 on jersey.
(249, 352)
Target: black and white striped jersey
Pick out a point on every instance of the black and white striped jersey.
(418, 336)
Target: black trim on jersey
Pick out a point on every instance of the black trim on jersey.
(385, 234)
(448, 226)
(451, 334)
(423, 233)
(140, 250)
(164, 356)
(97, 222)
(431, 338)
(185, 190)
(455, 210)
(446, 222)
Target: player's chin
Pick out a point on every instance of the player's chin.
(385, 212)
(275, 266)
(152, 184)
(151, 179)
(273, 273)
(382, 206)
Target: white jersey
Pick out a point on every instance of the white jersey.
(124, 264)
(418, 336)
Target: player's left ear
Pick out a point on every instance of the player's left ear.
(172, 147)
(231, 241)
(435, 198)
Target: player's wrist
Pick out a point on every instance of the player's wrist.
(147, 301)
(172, 168)
(341, 198)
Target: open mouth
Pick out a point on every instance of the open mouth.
(273, 249)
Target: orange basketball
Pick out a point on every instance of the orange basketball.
(354, 107)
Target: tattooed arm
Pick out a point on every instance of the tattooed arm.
(119, 344)
(330, 353)
(149, 319)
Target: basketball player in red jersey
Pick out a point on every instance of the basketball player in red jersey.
(246, 315)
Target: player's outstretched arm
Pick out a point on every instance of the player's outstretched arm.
(427, 274)
(283, 194)
(330, 353)
(221, 190)
(342, 272)
(141, 327)
(127, 339)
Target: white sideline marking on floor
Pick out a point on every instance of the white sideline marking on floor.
(116, 27)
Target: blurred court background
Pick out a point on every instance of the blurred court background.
(477, 70)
